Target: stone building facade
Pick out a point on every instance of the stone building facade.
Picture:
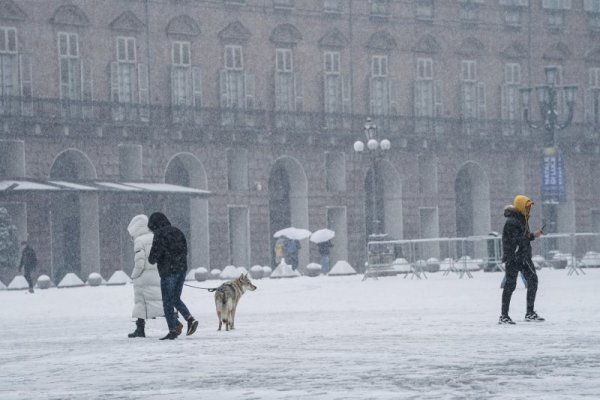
(238, 117)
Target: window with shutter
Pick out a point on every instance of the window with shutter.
(9, 71)
(143, 92)
(87, 89)
(69, 66)
(591, 6)
(509, 98)
(424, 10)
(26, 85)
(233, 58)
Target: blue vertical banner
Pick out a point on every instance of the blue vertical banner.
(553, 176)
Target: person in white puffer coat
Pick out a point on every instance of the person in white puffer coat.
(146, 282)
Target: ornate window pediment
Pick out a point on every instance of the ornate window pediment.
(183, 25)
(69, 15)
(128, 22)
(333, 38)
(286, 34)
(593, 55)
(382, 40)
(235, 32)
(427, 44)
(557, 51)
(10, 11)
(514, 51)
(471, 47)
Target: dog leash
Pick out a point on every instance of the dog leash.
(198, 287)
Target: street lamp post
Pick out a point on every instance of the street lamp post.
(553, 179)
(376, 149)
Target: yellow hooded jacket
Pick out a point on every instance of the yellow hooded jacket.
(520, 203)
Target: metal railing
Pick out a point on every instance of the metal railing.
(43, 110)
(463, 255)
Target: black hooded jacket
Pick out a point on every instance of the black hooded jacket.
(516, 238)
(169, 247)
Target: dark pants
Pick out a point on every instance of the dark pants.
(512, 271)
(171, 287)
(292, 259)
(28, 278)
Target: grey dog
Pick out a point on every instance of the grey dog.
(227, 297)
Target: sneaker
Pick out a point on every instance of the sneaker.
(170, 336)
(505, 319)
(179, 328)
(532, 316)
(192, 325)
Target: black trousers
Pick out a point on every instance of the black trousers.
(27, 276)
(512, 271)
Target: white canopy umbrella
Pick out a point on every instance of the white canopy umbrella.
(293, 233)
(322, 235)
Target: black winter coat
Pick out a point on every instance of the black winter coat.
(169, 247)
(28, 259)
(516, 239)
(325, 247)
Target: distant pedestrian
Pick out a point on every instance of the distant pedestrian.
(516, 246)
(28, 263)
(169, 252)
(146, 281)
(324, 251)
(292, 248)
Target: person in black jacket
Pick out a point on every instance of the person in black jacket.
(516, 246)
(169, 253)
(28, 263)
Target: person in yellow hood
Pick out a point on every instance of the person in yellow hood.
(516, 247)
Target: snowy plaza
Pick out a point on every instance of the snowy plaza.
(311, 338)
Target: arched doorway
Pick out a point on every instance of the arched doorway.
(472, 191)
(288, 201)
(74, 219)
(383, 201)
(190, 214)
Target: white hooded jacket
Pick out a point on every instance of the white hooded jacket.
(146, 282)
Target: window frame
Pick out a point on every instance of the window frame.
(6, 45)
(334, 59)
(237, 54)
(184, 48)
(379, 62)
(284, 60)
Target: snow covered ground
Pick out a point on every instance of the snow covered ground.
(311, 338)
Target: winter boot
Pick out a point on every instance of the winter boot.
(192, 325)
(505, 320)
(170, 336)
(533, 317)
(139, 330)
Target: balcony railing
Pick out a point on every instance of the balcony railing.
(108, 114)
